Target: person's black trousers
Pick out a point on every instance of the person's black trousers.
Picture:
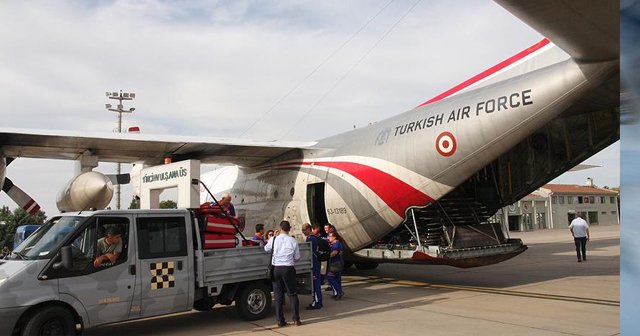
(284, 277)
(581, 245)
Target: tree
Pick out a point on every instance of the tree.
(168, 204)
(135, 202)
(14, 219)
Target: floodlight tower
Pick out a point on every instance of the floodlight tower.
(120, 96)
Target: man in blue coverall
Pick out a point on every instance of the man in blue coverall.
(312, 236)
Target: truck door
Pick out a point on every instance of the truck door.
(163, 280)
(104, 288)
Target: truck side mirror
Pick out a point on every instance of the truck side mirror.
(65, 255)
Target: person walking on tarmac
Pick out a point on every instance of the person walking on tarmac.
(313, 237)
(336, 264)
(285, 253)
(580, 232)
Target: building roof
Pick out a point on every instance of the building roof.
(575, 189)
(535, 195)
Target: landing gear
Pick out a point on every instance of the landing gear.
(365, 265)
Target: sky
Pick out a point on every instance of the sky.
(287, 70)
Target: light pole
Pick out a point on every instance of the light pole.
(120, 96)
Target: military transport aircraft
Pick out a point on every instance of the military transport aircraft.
(419, 187)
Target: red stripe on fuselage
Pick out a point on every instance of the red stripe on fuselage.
(488, 72)
(397, 194)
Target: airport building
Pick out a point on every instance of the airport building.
(554, 206)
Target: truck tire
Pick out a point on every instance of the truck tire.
(366, 265)
(52, 320)
(204, 304)
(253, 302)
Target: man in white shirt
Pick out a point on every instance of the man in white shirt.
(580, 231)
(285, 253)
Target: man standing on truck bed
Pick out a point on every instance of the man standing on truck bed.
(285, 253)
(226, 205)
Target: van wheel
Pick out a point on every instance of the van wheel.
(52, 321)
(254, 301)
(366, 265)
(204, 304)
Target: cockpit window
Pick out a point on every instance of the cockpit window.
(48, 237)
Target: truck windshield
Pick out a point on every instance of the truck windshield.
(45, 240)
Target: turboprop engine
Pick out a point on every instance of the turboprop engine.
(89, 190)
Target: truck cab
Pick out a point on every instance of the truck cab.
(53, 284)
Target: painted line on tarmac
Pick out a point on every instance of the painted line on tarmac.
(374, 279)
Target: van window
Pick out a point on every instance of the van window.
(161, 237)
(86, 245)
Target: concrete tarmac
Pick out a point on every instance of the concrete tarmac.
(543, 291)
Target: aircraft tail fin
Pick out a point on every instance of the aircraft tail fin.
(537, 56)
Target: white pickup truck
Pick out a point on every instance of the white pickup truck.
(50, 285)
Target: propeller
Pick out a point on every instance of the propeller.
(21, 198)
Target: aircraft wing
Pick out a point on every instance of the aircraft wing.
(129, 148)
(587, 30)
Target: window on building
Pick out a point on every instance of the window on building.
(603, 199)
(593, 217)
(569, 199)
(560, 199)
(603, 212)
(554, 199)
(614, 212)
(580, 199)
(612, 200)
(592, 199)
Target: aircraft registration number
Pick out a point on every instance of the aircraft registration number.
(337, 211)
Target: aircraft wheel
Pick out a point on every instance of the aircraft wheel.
(366, 265)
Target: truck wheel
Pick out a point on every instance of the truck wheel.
(204, 304)
(254, 301)
(51, 320)
(366, 265)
